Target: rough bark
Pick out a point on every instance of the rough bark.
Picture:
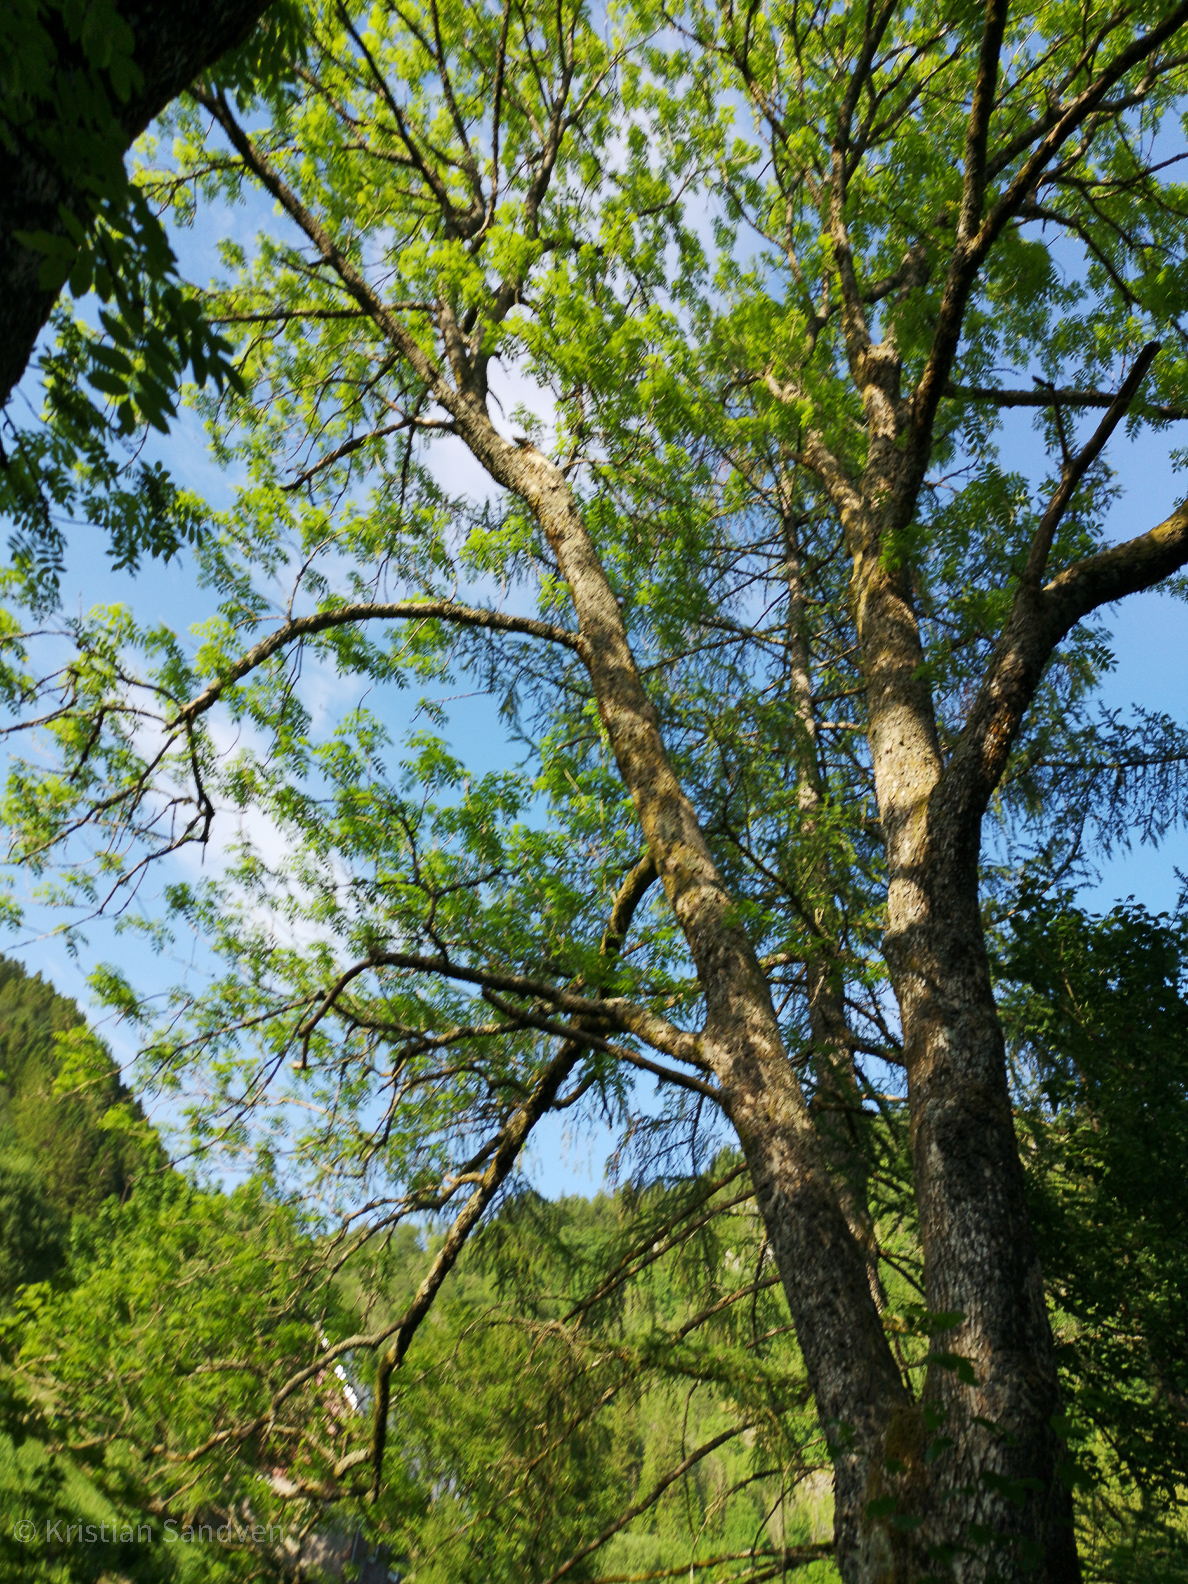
(172, 44)
(980, 1257)
(995, 1491)
(998, 1478)
(998, 1481)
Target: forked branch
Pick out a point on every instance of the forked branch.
(1039, 621)
(973, 193)
(971, 251)
(1076, 467)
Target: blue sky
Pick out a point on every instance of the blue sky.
(1149, 639)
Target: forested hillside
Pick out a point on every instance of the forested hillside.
(588, 1359)
(70, 1131)
(605, 1389)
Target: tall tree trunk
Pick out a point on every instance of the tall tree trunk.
(172, 44)
(981, 1261)
(861, 1398)
(994, 1492)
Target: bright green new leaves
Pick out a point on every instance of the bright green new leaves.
(518, 188)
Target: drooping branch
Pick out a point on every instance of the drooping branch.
(519, 1017)
(625, 1015)
(660, 1241)
(511, 1143)
(345, 615)
(501, 1154)
(177, 722)
(507, 1152)
(649, 1500)
(779, 1561)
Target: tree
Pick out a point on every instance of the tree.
(149, 1288)
(797, 632)
(81, 83)
(162, 1294)
(31, 1227)
(63, 1109)
(71, 1139)
(1096, 1025)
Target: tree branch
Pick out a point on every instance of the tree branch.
(373, 305)
(649, 1500)
(1051, 396)
(970, 253)
(854, 320)
(1074, 470)
(1123, 569)
(507, 1153)
(973, 191)
(1041, 619)
(634, 887)
(625, 1015)
(344, 615)
(790, 1557)
(511, 1142)
(356, 442)
(37, 175)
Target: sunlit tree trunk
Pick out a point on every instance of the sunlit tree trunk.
(856, 1382)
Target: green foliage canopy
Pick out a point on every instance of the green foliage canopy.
(416, 960)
